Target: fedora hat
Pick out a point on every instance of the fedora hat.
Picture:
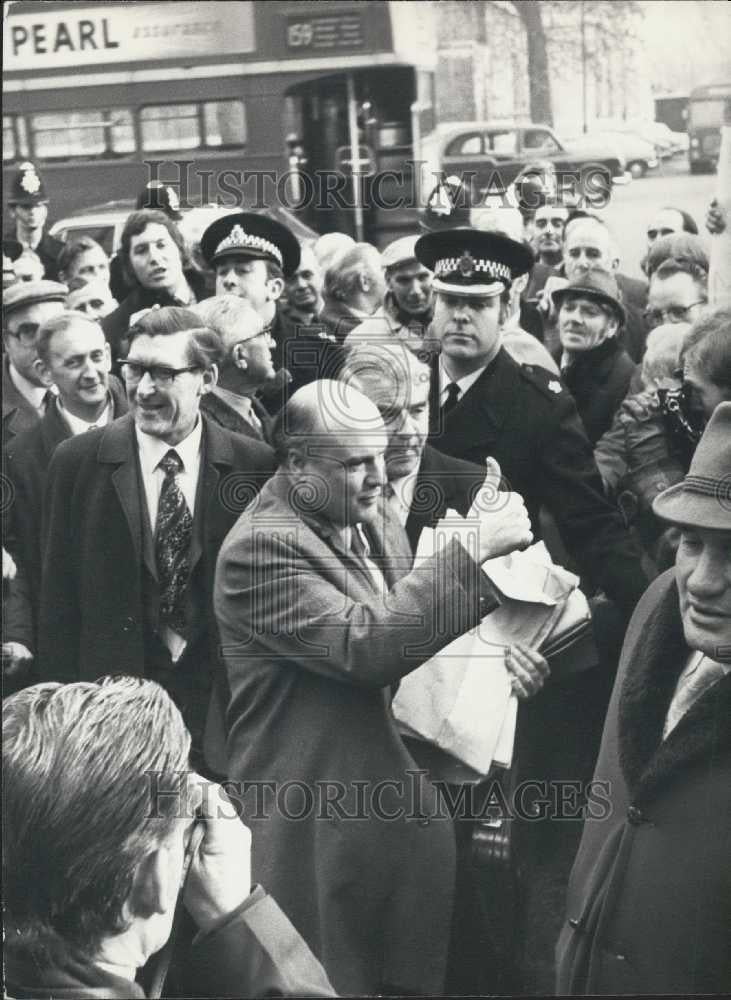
(598, 285)
(703, 498)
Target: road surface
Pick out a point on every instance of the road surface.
(632, 207)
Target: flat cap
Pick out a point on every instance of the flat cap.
(31, 293)
(399, 252)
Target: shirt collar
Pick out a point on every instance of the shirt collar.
(152, 449)
(464, 383)
(77, 425)
(235, 400)
(35, 394)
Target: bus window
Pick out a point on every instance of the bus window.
(170, 127)
(15, 138)
(224, 123)
(68, 134)
(706, 114)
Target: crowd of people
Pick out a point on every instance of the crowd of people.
(219, 460)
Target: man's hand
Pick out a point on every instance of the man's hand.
(17, 660)
(219, 879)
(504, 524)
(545, 300)
(527, 668)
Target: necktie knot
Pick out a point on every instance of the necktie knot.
(171, 463)
(452, 397)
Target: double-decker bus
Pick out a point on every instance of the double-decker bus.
(321, 106)
(705, 116)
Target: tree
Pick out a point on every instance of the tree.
(539, 80)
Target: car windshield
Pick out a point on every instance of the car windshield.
(103, 233)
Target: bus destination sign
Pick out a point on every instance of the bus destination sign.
(323, 33)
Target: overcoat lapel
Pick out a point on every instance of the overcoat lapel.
(647, 760)
(117, 447)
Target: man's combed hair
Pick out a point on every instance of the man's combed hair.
(73, 250)
(79, 811)
(136, 224)
(205, 347)
(59, 324)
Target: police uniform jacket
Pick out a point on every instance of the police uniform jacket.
(525, 418)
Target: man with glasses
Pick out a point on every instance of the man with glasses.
(246, 366)
(25, 394)
(678, 292)
(135, 514)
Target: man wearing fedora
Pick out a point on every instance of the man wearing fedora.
(28, 205)
(594, 365)
(649, 895)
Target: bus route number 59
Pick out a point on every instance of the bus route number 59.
(299, 35)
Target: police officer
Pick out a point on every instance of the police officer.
(28, 205)
(252, 256)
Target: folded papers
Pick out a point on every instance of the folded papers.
(461, 700)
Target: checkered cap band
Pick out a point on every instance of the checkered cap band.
(451, 265)
(237, 239)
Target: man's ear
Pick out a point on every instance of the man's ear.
(43, 372)
(154, 887)
(210, 378)
(238, 356)
(276, 287)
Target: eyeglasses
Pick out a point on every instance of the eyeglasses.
(673, 314)
(26, 333)
(133, 372)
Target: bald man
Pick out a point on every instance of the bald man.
(320, 615)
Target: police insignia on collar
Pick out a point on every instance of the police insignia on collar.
(466, 264)
(554, 386)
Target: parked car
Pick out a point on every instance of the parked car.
(490, 155)
(104, 223)
(666, 142)
(639, 154)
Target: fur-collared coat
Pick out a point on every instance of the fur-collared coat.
(649, 899)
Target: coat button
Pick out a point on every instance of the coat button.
(635, 816)
(575, 923)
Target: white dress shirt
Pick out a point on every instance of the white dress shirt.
(464, 383)
(152, 450)
(243, 405)
(34, 394)
(401, 495)
(77, 425)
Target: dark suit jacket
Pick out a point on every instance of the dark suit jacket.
(254, 953)
(442, 483)
(18, 414)
(311, 647)
(524, 417)
(599, 380)
(217, 410)
(99, 597)
(27, 458)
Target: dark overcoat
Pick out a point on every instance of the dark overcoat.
(100, 599)
(523, 416)
(599, 380)
(649, 899)
(311, 647)
(18, 414)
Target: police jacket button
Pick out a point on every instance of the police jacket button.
(575, 923)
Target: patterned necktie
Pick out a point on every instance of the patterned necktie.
(173, 533)
(452, 398)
